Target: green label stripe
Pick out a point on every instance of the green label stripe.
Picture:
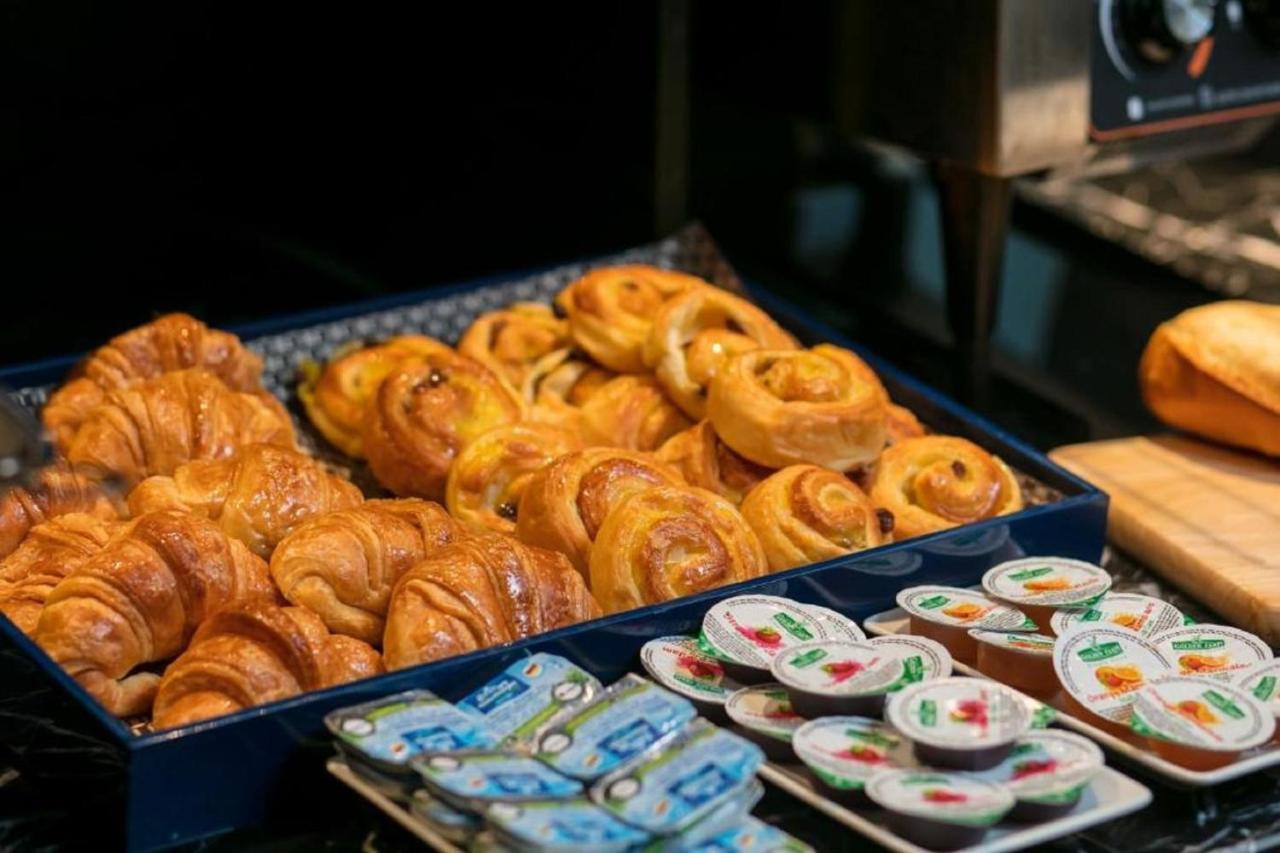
(386, 710)
(1198, 645)
(792, 627)
(835, 781)
(1265, 687)
(808, 658)
(928, 713)
(1070, 795)
(1028, 574)
(872, 737)
(1101, 651)
(1223, 704)
(933, 602)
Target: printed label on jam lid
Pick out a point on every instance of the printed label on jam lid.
(1262, 682)
(1201, 713)
(392, 730)
(751, 629)
(962, 608)
(480, 777)
(1032, 644)
(752, 835)
(766, 709)
(1048, 766)
(1101, 667)
(679, 664)
(959, 713)
(946, 797)
(838, 668)
(1142, 613)
(528, 694)
(563, 824)
(1051, 581)
(922, 659)
(845, 751)
(839, 626)
(1214, 651)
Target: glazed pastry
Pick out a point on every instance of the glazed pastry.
(559, 384)
(630, 412)
(337, 397)
(425, 412)
(694, 332)
(901, 423)
(707, 462)
(564, 504)
(343, 565)
(156, 425)
(167, 343)
(510, 341)
(935, 482)
(822, 406)
(259, 496)
(806, 514)
(479, 592)
(140, 599)
(611, 310)
(668, 542)
(253, 654)
(52, 551)
(489, 475)
(55, 490)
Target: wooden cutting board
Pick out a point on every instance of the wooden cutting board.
(1205, 517)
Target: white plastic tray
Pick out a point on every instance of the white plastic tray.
(394, 810)
(895, 621)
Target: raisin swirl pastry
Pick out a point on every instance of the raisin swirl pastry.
(427, 411)
(805, 514)
(510, 341)
(935, 482)
(822, 406)
(668, 542)
(490, 474)
(694, 332)
(630, 412)
(707, 462)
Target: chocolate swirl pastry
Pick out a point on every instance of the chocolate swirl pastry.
(510, 341)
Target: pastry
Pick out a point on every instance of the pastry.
(343, 565)
(53, 550)
(425, 412)
(611, 310)
(1215, 371)
(55, 490)
(337, 396)
(167, 343)
(259, 496)
(630, 412)
(806, 514)
(139, 600)
(153, 426)
(486, 480)
(822, 406)
(511, 340)
(707, 462)
(935, 482)
(695, 331)
(668, 542)
(559, 384)
(564, 504)
(253, 654)
(478, 592)
(901, 423)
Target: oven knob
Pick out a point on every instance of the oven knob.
(1161, 29)
(1263, 17)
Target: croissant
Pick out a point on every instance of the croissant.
(53, 550)
(167, 343)
(258, 496)
(510, 341)
(707, 462)
(253, 654)
(565, 503)
(156, 425)
(695, 331)
(490, 474)
(611, 310)
(480, 592)
(822, 406)
(668, 542)
(805, 514)
(935, 482)
(55, 490)
(337, 397)
(630, 412)
(343, 565)
(425, 412)
(558, 385)
(139, 600)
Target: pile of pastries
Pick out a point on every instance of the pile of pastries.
(648, 437)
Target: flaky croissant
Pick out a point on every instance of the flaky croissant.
(707, 462)
(480, 592)
(55, 490)
(343, 565)
(511, 340)
(139, 600)
(53, 550)
(253, 654)
(156, 425)
(167, 343)
(259, 496)
(630, 412)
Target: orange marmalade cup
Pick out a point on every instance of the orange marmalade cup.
(1024, 661)
(1262, 682)
(1212, 651)
(1100, 668)
(1199, 723)
(1141, 614)
(946, 613)
(1039, 586)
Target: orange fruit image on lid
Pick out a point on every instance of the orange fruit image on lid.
(1196, 663)
(1047, 584)
(964, 610)
(1119, 679)
(1196, 711)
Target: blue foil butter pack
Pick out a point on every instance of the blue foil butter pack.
(387, 733)
(473, 780)
(577, 824)
(750, 836)
(675, 784)
(722, 818)
(528, 695)
(627, 718)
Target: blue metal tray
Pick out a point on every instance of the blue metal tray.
(149, 790)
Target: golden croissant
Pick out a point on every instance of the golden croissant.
(511, 340)
(709, 463)
(343, 565)
(55, 490)
(480, 592)
(259, 496)
(253, 654)
(53, 550)
(140, 599)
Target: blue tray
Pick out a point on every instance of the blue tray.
(149, 790)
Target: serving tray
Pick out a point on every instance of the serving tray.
(152, 789)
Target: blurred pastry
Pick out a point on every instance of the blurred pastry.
(630, 412)
(559, 384)
(53, 550)
(901, 423)
(55, 490)
(511, 340)
(707, 462)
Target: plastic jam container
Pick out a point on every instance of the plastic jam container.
(920, 656)
(938, 810)
(679, 665)
(1263, 683)
(1040, 586)
(842, 753)
(1024, 661)
(946, 613)
(1200, 724)
(959, 723)
(1213, 651)
(763, 714)
(833, 677)
(1141, 613)
(1048, 772)
(839, 626)
(746, 631)
(1099, 670)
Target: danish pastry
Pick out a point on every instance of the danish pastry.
(630, 412)
(510, 341)
(707, 462)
